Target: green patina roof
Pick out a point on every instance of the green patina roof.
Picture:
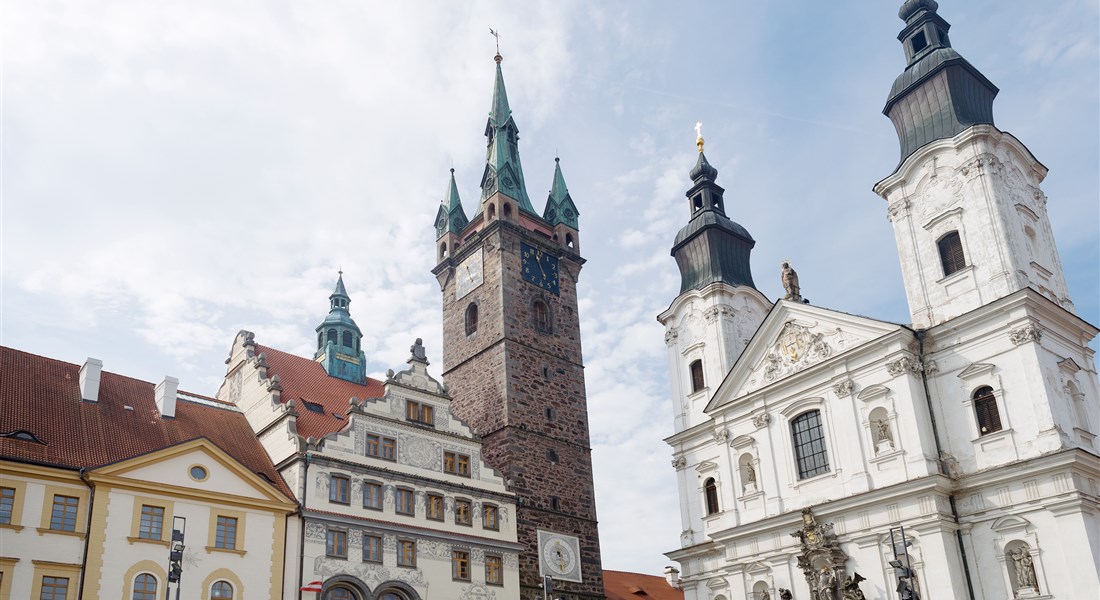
(503, 171)
(450, 218)
(559, 205)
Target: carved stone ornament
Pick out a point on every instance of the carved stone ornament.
(821, 559)
(1027, 333)
(722, 436)
(796, 349)
(902, 366)
(844, 388)
(679, 463)
(712, 313)
(761, 420)
(897, 210)
(671, 335)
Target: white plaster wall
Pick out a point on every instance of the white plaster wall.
(28, 545)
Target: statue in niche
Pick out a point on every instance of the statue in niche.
(750, 475)
(1025, 569)
(764, 595)
(789, 278)
(883, 435)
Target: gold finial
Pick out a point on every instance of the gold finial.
(699, 135)
(496, 34)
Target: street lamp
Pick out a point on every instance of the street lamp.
(903, 566)
(175, 555)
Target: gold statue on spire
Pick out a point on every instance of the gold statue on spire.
(699, 135)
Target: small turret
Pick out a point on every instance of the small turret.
(561, 213)
(450, 220)
(339, 339)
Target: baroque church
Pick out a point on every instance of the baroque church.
(822, 455)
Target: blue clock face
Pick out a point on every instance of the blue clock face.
(539, 268)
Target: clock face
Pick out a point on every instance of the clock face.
(469, 275)
(559, 556)
(539, 268)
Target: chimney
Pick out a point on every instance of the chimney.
(166, 396)
(89, 379)
(672, 576)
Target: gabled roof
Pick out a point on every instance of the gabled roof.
(795, 337)
(622, 585)
(305, 379)
(41, 396)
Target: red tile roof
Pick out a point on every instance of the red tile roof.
(41, 396)
(622, 585)
(305, 379)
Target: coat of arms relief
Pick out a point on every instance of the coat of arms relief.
(798, 346)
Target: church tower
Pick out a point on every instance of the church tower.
(969, 218)
(339, 339)
(512, 356)
(719, 308)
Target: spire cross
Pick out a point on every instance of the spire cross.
(496, 34)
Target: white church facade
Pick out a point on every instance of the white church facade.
(822, 455)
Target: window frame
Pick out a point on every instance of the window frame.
(491, 561)
(144, 591)
(222, 539)
(7, 505)
(952, 256)
(367, 538)
(399, 496)
(420, 413)
(67, 507)
(696, 376)
(471, 319)
(710, 497)
(541, 316)
(338, 482)
(456, 463)
(985, 403)
(429, 500)
(404, 558)
(807, 466)
(376, 492)
(381, 446)
(492, 522)
(149, 517)
(468, 505)
(232, 590)
(460, 565)
(332, 535)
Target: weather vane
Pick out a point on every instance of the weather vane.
(699, 135)
(496, 34)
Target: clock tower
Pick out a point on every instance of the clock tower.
(512, 356)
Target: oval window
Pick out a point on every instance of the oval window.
(198, 472)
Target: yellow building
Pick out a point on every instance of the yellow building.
(97, 469)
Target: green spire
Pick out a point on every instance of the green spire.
(503, 171)
(559, 206)
(450, 218)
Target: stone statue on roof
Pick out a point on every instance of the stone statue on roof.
(418, 351)
(790, 283)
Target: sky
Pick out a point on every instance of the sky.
(172, 173)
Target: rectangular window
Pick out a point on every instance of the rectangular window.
(405, 504)
(372, 495)
(460, 565)
(225, 536)
(152, 522)
(406, 553)
(337, 543)
(63, 517)
(419, 413)
(462, 512)
(372, 548)
(7, 505)
(491, 517)
(809, 444)
(456, 464)
(54, 588)
(338, 489)
(435, 507)
(494, 574)
(381, 446)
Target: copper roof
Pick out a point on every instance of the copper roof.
(622, 585)
(41, 396)
(305, 379)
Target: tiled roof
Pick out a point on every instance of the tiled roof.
(305, 379)
(41, 396)
(621, 585)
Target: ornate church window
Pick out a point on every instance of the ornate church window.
(697, 382)
(809, 444)
(985, 409)
(710, 493)
(471, 319)
(951, 253)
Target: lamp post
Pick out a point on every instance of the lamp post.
(175, 555)
(903, 566)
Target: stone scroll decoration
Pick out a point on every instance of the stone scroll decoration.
(1025, 334)
(823, 562)
(796, 348)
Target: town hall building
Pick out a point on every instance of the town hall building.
(823, 455)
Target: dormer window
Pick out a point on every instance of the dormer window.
(918, 42)
(419, 413)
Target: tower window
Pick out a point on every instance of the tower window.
(443, 251)
(697, 382)
(552, 456)
(507, 210)
(710, 494)
(332, 335)
(985, 409)
(919, 42)
(492, 211)
(809, 444)
(555, 503)
(542, 316)
(347, 340)
(471, 319)
(951, 253)
(569, 241)
(550, 413)
(320, 339)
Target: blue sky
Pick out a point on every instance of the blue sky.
(173, 173)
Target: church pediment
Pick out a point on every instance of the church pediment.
(795, 337)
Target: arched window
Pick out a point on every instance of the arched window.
(985, 409)
(710, 493)
(443, 251)
(347, 340)
(569, 240)
(340, 593)
(332, 335)
(145, 587)
(951, 253)
(221, 590)
(507, 210)
(492, 212)
(542, 316)
(809, 444)
(697, 382)
(320, 339)
(471, 319)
